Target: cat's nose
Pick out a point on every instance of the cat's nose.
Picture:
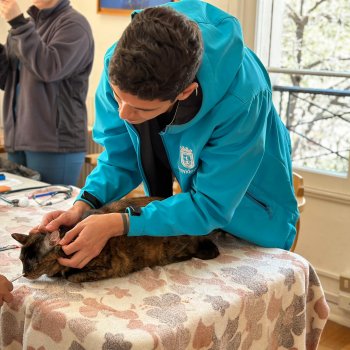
(28, 273)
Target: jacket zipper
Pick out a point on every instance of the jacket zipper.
(260, 204)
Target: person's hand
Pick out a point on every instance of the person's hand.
(5, 290)
(54, 219)
(9, 9)
(87, 239)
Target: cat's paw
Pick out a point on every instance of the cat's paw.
(207, 250)
(75, 278)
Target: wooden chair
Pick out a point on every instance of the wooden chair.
(91, 158)
(298, 183)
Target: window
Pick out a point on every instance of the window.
(305, 44)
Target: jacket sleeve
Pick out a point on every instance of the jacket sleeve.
(4, 66)
(117, 172)
(63, 54)
(226, 167)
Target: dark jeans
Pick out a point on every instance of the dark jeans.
(54, 168)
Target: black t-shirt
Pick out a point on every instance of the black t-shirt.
(154, 158)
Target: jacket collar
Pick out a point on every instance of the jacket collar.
(34, 12)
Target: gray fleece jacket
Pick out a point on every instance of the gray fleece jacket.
(44, 70)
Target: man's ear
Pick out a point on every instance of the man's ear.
(187, 92)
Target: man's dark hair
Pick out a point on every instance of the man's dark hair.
(158, 55)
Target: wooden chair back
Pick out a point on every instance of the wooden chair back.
(298, 183)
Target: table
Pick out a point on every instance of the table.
(247, 298)
(17, 182)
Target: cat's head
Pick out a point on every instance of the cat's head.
(39, 253)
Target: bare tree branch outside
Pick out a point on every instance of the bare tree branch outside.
(316, 36)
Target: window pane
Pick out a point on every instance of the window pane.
(315, 36)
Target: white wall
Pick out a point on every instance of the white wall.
(106, 30)
(324, 240)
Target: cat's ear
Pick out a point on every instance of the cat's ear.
(20, 237)
(54, 238)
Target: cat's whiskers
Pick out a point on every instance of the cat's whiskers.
(16, 278)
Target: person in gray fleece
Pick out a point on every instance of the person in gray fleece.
(44, 70)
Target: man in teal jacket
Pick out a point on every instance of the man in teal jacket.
(181, 96)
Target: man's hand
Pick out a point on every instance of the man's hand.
(54, 219)
(9, 9)
(5, 290)
(87, 239)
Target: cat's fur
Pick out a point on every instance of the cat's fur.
(121, 255)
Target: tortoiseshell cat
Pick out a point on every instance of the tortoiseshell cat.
(121, 255)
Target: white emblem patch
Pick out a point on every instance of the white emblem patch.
(186, 157)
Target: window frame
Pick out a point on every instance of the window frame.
(267, 40)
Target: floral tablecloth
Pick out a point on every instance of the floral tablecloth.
(247, 298)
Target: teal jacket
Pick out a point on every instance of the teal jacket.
(232, 160)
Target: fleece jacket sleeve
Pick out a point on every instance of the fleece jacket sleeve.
(56, 58)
